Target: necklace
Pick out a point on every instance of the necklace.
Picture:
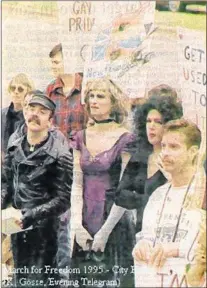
(31, 148)
(104, 121)
(179, 216)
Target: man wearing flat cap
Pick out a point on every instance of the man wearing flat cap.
(37, 179)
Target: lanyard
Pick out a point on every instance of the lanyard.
(180, 214)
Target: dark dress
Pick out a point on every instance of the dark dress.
(135, 189)
(100, 180)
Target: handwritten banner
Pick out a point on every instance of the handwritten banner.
(79, 21)
(169, 277)
(192, 63)
(121, 49)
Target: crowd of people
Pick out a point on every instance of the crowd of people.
(101, 205)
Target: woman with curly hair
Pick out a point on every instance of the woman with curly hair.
(144, 172)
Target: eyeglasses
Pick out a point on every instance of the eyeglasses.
(19, 89)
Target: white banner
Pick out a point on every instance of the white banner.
(192, 62)
(79, 22)
(121, 48)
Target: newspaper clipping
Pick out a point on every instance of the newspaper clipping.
(103, 128)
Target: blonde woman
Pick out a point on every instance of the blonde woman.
(100, 154)
(12, 116)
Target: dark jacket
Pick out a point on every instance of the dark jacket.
(22, 130)
(40, 184)
(134, 188)
(132, 185)
(9, 118)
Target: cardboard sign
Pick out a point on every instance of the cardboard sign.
(79, 21)
(192, 74)
(121, 49)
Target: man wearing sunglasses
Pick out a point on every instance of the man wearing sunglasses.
(12, 116)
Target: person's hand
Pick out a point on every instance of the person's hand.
(82, 236)
(27, 218)
(100, 240)
(158, 256)
(18, 218)
(142, 251)
(18, 221)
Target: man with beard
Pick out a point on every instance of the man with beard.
(37, 181)
(169, 230)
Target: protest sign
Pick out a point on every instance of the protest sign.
(192, 74)
(122, 47)
(173, 275)
(78, 22)
(172, 271)
(76, 19)
(85, 21)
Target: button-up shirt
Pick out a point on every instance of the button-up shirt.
(70, 114)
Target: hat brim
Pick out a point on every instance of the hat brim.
(40, 102)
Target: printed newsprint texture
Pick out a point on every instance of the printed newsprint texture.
(129, 42)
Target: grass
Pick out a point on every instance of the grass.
(190, 20)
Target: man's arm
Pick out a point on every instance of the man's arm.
(61, 184)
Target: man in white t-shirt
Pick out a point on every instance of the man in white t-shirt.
(169, 232)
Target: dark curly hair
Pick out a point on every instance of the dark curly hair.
(167, 106)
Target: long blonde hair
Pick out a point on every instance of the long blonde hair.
(22, 79)
(118, 98)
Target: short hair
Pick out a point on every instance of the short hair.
(162, 90)
(21, 79)
(188, 128)
(55, 50)
(117, 97)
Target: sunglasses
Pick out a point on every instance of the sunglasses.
(19, 89)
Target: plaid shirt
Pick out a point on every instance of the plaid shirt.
(69, 113)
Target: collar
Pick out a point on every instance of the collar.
(11, 108)
(11, 111)
(50, 147)
(58, 85)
